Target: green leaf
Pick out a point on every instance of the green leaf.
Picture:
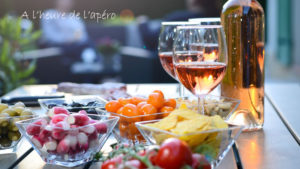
(26, 73)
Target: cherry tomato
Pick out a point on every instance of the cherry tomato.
(113, 106)
(199, 161)
(148, 109)
(156, 99)
(112, 163)
(174, 154)
(130, 110)
(124, 101)
(120, 110)
(136, 100)
(170, 103)
(160, 92)
(166, 109)
(139, 107)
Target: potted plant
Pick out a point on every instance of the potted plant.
(14, 40)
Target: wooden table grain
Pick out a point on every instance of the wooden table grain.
(274, 147)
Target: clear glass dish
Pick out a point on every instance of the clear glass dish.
(214, 144)
(89, 103)
(88, 139)
(10, 135)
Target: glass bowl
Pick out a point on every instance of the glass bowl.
(89, 103)
(214, 144)
(9, 132)
(67, 146)
(213, 105)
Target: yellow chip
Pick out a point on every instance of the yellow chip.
(165, 124)
(218, 122)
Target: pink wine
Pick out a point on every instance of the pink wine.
(200, 77)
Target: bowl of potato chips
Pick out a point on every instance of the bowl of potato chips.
(208, 135)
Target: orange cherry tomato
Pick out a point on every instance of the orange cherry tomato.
(124, 101)
(170, 103)
(113, 106)
(120, 110)
(130, 110)
(160, 92)
(156, 99)
(149, 110)
(166, 109)
(136, 100)
(139, 107)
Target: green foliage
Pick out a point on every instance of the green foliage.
(14, 71)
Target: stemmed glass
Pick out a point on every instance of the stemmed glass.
(165, 47)
(200, 58)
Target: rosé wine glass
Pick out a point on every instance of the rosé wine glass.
(200, 58)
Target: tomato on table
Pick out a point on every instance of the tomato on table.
(113, 106)
(174, 154)
(156, 99)
(149, 110)
(170, 103)
(139, 107)
(112, 163)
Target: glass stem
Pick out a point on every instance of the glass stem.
(181, 91)
(201, 105)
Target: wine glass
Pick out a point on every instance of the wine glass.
(165, 47)
(200, 58)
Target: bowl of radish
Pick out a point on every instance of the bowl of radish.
(67, 139)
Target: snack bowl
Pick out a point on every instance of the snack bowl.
(9, 132)
(75, 103)
(214, 144)
(213, 105)
(69, 145)
(126, 130)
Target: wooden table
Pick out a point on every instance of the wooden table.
(274, 147)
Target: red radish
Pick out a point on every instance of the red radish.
(50, 145)
(82, 138)
(63, 146)
(58, 118)
(84, 147)
(82, 112)
(93, 136)
(37, 141)
(45, 133)
(72, 141)
(74, 130)
(58, 131)
(57, 110)
(101, 128)
(80, 119)
(71, 119)
(35, 127)
(89, 129)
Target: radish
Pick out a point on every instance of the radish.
(93, 136)
(63, 146)
(35, 127)
(89, 129)
(50, 145)
(101, 128)
(80, 119)
(57, 110)
(82, 138)
(58, 118)
(45, 133)
(72, 141)
(37, 141)
(59, 129)
(83, 112)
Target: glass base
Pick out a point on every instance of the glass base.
(245, 118)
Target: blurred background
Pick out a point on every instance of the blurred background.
(116, 40)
